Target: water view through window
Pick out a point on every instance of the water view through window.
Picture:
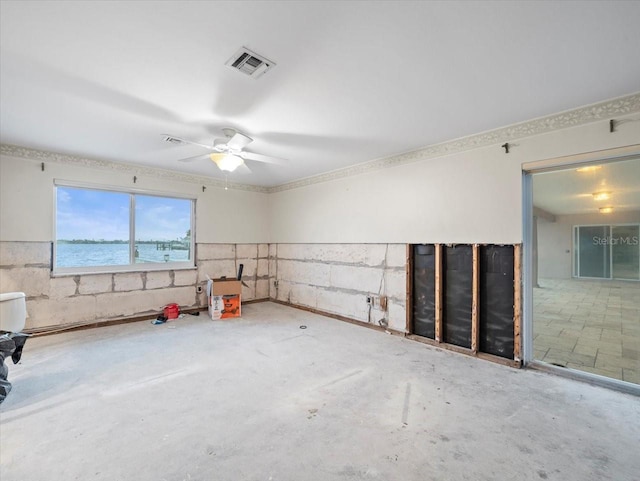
(93, 228)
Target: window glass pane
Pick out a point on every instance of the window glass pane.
(163, 229)
(92, 228)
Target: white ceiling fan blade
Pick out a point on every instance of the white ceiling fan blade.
(263, 158)
(239, 141)
(178, 140)
(194, 158)
(243, 169)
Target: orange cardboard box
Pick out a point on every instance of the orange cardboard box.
(224, 298)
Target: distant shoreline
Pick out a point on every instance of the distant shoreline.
(89, 241)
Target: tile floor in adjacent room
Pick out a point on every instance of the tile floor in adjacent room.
(589, 325)
(259, 398)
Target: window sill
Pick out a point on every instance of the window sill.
(88, 271)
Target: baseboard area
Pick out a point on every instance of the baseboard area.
(78, 326)
(340, 318)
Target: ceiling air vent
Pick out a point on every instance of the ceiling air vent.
(172, 140)
(250, 63)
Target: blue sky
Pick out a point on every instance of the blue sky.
(94, 214)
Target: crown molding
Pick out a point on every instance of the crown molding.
(43, 156)
(570, 118)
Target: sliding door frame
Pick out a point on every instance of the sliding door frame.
(528, 170)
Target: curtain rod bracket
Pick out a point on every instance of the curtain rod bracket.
(505, 146)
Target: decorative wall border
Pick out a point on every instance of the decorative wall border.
(43, 156)
(628, 104)
(570, 118)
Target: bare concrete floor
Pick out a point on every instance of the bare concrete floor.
(261, 399)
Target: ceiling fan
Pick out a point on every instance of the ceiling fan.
(227, 153)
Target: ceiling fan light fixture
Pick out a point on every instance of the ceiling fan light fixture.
(601, 195)
(589, 168)
(227, 162)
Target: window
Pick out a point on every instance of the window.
(99, 230)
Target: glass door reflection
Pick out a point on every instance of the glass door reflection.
(625, 252)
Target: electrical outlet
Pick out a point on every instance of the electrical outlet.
(275, 283)
(199, 289)
(370, 300)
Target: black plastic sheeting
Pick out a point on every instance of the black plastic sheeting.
(457, 267)
(496, 300)
(424, 291)
(11, 344)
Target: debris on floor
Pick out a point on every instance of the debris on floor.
(160, 320)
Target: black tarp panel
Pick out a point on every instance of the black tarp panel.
(496, 300)
(457, 267)
(424, 287)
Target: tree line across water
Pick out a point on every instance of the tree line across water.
(102, 241)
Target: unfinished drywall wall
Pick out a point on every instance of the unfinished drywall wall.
(455, 199)
(473, 196)
(27, 201)
(236, 218)
(223, 260)
(338, 278)
(555, 240)
(66, 300)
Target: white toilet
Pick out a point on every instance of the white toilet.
(13, 311)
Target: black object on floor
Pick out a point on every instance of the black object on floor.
(11, 344)
(160, 320)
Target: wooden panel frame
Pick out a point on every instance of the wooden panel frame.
(516, 362)
(463, 350)
(409, 299)
(438, 293)
(517, 302)
(475, 302)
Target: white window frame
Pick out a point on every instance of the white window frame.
(131, 267)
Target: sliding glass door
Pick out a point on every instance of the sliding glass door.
(607, 252)
(625, 252)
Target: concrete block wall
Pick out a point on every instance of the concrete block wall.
(218, 260)
(75, 299)
(337, 278)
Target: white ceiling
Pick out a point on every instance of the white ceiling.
(354, 81)
(570, 191)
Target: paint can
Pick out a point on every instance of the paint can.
(171, 311)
